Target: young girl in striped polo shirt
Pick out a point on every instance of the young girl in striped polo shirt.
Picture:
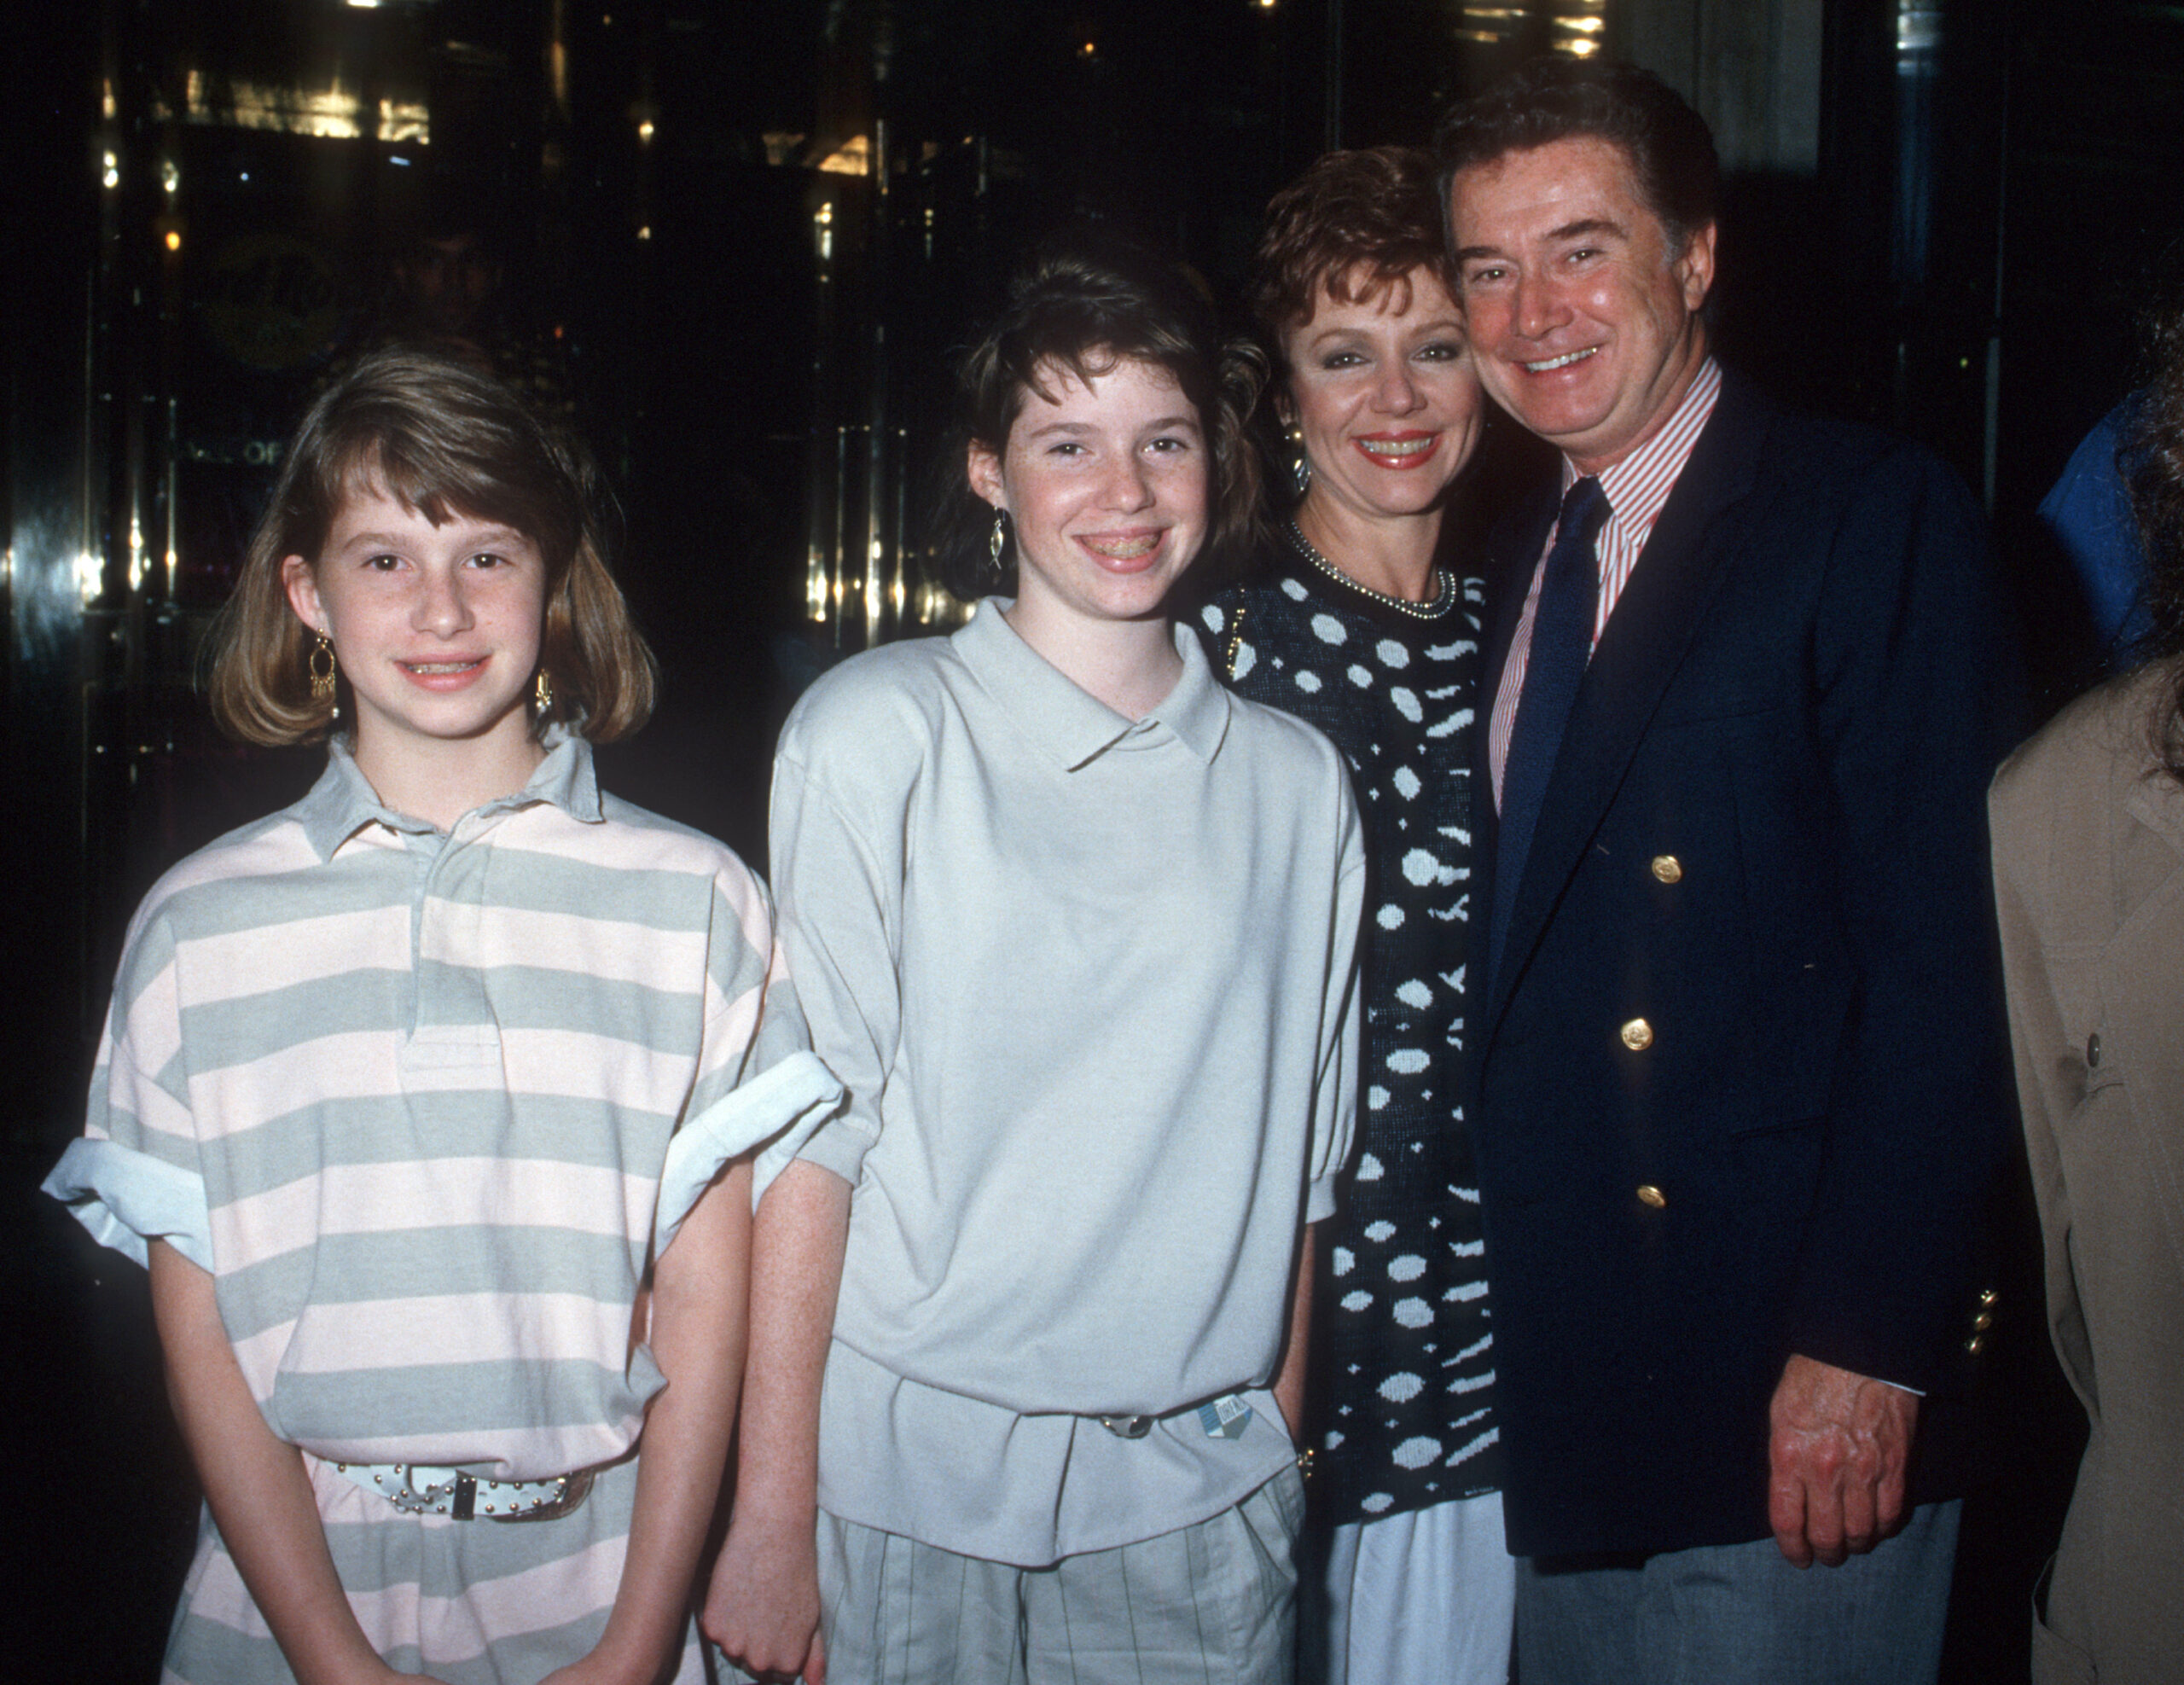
(431, 1100)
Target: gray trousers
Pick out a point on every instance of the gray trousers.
(1739, 1614)
(1210, 1604)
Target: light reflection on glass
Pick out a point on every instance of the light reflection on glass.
(1573, 21)
(1918, 27)
(404, 120)
(1578, 25)
(335, 112)
(852, 158)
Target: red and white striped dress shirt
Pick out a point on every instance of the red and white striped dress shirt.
(1636, 487)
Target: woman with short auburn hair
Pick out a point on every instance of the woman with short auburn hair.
(1362, 618)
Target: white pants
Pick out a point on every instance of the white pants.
(1426, 1597)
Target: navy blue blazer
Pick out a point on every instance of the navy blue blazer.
(1740, 1082)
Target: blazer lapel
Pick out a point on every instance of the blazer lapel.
(1647, 637)
(1514, 551)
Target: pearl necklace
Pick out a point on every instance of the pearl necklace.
(1445, 589)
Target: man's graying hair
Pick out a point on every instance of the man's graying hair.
(1554, 98)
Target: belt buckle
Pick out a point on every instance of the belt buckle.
(1127, 1427)
(458, 1495)
(417, 1493)
(575, 1488)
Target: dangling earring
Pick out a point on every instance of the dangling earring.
(997, 540)
(322, 678)
(1300, 462)
(542, 695)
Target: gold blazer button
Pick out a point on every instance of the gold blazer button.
(1668, 868)
(1650, 1196)
(1637, 1035)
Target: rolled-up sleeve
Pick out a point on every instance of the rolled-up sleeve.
(839, 906)
(134, 1178)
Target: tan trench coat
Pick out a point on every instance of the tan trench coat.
(2088, 842)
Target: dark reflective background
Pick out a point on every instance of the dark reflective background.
(735, 241)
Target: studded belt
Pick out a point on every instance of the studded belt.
(416, 1489)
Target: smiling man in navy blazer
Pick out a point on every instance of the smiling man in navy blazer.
(1737, 1077)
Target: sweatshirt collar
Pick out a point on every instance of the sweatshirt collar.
(1069, 724)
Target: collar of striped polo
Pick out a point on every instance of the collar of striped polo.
(343, 802)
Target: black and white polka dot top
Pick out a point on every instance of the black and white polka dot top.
(1402, 1359)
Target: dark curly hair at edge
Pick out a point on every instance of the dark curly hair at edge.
(1084, 301)
(2153, 455)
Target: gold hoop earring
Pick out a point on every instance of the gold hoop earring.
(542, 695)
(322, 678)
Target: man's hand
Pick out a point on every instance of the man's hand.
(1836, 1457)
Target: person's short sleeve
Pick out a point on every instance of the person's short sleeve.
(128, 1199)
(840, 902)
(759, 1086)
(134, 1178)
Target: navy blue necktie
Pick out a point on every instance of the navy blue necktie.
(1562, 642)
